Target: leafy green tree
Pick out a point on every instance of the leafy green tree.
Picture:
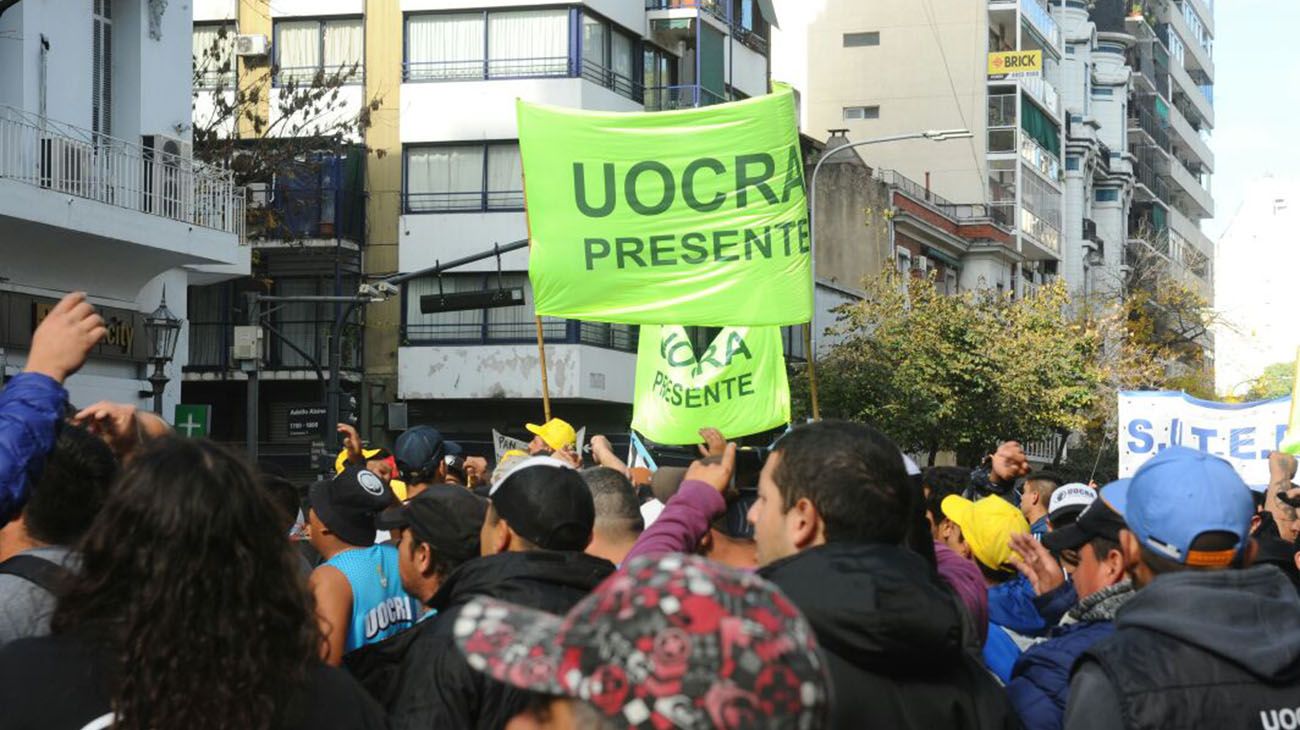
(1275, 382)
(958, 373)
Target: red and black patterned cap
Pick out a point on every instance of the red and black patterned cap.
(673, 641)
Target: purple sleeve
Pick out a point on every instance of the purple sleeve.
(683, 522)
(967, 582)
(31, 407)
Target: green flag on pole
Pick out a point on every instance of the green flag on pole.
(738, 385)
(695, 216)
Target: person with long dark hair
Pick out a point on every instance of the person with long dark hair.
(187, 613)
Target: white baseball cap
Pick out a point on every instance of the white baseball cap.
(1069, 500)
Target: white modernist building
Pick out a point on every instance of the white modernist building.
(98, 189)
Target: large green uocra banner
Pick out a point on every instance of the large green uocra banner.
(695, 217)
(737, 385)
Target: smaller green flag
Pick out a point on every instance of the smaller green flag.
(738, 385)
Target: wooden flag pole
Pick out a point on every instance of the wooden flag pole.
(812, 370)
(541, 357)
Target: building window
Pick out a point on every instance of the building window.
(101, 53)
(1070, 49)
(1099, 91)
(659, 68)
(484, 45)
(214, 55)
(306, 49)
(1072, 163)
(854, 113)
(855, 40)
(464, 177)
(1106, 195)
(608, 56)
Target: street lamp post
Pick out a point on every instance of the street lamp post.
(163, 329)
(810, 340)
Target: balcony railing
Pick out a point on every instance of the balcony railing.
(555, 331)
(47, 154)
(612, 80)
(1041, 19)
(480, 201)
(1142, 116)
(483, 69)
(723, 11)
(684, 96)
(955, 211)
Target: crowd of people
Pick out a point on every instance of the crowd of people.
(149, 581)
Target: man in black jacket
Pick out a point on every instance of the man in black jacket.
(1204, 642)
(539, 520)
(832, 510)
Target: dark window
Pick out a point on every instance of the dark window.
(1106, 195)
(854, 113)
(854, 40)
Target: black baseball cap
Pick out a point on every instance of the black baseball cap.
(548, 503)
(418, 451)
(349, 503)
(447, 517)
(1096, 520)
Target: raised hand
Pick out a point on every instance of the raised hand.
(64, 339)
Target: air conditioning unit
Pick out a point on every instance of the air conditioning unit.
(167, 182)
(247, 343)
(921, 264)
(252, 44)
(259, 195)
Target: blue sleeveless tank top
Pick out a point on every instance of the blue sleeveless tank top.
(380, 606)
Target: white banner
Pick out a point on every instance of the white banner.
(1242, 433)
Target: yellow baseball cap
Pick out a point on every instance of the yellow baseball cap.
(557, 434)
(987, 526)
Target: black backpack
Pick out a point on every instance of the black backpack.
(46, 574)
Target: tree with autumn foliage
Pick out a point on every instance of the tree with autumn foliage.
(958, 373)
(242, 127)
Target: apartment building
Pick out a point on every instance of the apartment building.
(892, 67)
(98, 188)
(441, 180)
(1167, 109)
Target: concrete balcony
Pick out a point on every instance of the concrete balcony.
(1196, 54)
(1189, 139)
(1190, 231)
(1184, 84)
(81, 209)
(1201, 201)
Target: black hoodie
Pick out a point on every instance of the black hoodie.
(893, 639)
(436, 687)
(1218, 649)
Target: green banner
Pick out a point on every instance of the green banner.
(738, 385)
(695, 216)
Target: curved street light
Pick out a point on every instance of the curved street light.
(810, 339)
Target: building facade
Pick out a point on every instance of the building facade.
(99, 191)
(443, 181)
(893, 67)
(1100, 157)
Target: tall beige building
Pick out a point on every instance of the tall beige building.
(889, 67)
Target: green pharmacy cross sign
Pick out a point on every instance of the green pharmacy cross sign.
(193, 421)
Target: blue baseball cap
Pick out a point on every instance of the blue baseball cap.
(1177, 496)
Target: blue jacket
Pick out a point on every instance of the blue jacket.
(31, 409)
(1014, 608)
(1040, 681)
